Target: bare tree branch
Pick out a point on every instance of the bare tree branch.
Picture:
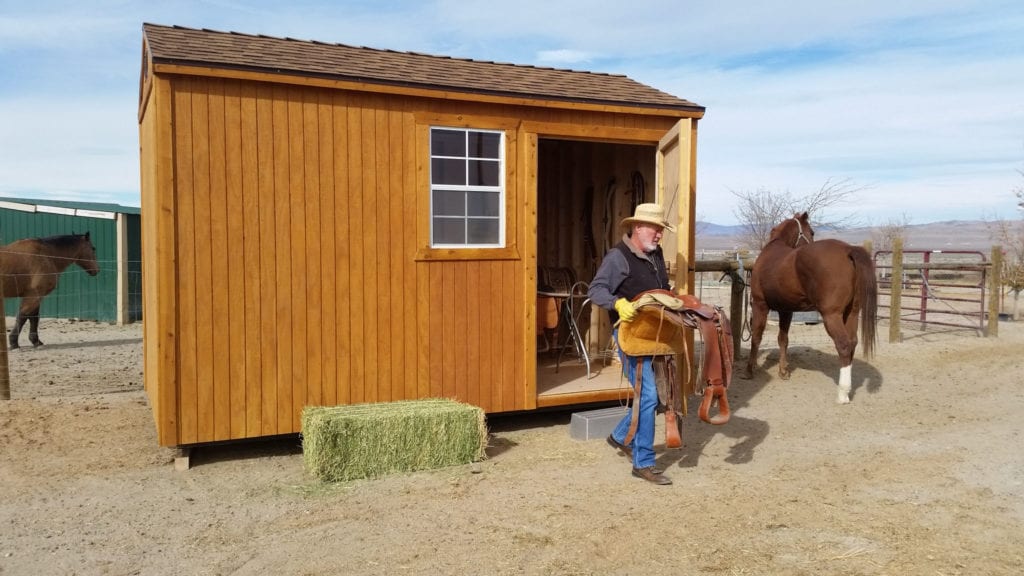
(760, 210)
(1010, 236)
(1019, 193)
(884, 237)
(832, 193)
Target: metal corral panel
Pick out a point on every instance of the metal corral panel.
(79, 295)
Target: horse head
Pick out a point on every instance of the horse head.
(85, 255)
(793, 231)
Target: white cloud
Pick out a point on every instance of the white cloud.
(71, 25)
(54, 149)
(908, 124)
(562, 57)
(914, 100)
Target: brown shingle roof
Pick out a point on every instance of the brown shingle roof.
(211, 48)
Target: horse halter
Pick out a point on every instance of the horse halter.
(800, 233)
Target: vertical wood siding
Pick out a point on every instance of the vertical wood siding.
(161, 357)
(294, 280)
(148, 168)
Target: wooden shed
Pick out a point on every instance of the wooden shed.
(325, 224)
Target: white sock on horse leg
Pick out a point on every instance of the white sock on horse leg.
(845, 383)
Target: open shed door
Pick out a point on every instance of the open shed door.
(675, 191)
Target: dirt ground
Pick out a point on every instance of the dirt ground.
(923, 473)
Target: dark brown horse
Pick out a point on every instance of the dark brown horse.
(30, 268)
(794, 273)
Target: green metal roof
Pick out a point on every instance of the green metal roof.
(93, 206)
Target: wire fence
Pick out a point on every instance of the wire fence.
(950, 296)
(79, 295)
(939, 290)
(933, 299)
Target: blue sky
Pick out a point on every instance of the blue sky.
(920, 104)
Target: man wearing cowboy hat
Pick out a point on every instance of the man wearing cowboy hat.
(634, 265)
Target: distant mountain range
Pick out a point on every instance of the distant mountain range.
(970, 235)
(712, 229)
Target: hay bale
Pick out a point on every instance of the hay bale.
(371, 440)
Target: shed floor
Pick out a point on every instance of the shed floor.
(571, 375)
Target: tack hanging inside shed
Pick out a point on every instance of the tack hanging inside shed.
(326, 224)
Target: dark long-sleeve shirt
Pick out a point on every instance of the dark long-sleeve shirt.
(610, 281)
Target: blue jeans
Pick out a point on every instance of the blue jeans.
(643, 441)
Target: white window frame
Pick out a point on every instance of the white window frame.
(466, 188)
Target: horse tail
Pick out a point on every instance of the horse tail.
(867, 285)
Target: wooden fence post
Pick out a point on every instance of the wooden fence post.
(895, 290)
(995, 284)
(5, 369)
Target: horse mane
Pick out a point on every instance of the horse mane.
(777, 233)
(62, 240)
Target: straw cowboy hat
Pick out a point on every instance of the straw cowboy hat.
(649, 214)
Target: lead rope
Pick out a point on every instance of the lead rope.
(745, 324)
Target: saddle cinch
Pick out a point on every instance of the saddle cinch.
(658, 332)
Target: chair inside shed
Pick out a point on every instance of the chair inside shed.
(584, 190)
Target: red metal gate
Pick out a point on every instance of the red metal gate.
(950, 283)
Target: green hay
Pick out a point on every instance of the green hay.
(370, 440)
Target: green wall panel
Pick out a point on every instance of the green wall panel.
(79, 295)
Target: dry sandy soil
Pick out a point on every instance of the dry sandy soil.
(923, 473)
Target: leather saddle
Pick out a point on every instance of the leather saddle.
(659, 331)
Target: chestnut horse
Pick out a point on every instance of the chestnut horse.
(30, 268)
(793, 273)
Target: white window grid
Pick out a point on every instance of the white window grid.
(465, 188)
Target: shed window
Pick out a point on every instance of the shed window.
(467, 188)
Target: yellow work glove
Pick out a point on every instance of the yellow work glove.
(625, 309)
